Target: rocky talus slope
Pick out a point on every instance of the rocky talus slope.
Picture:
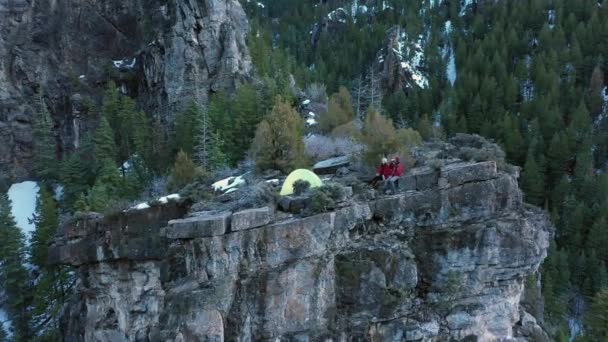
(446, 259)
(163, 52)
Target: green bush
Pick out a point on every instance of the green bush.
(326, 197)
(300, 187)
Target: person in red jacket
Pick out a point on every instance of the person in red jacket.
(384, 172)
(396, 173)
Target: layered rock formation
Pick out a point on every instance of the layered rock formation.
(164, 52)
(446, 259)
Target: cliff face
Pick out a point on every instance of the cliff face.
(445, 259)
(164, 52)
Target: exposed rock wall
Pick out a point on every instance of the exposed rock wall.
(164, 52)
(446, 259)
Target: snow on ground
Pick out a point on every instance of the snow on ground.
(311, 120)
(166, 199)
(411, 55)
(551, 18)
(127, 63)
(229, 183)
(449, 52)
(23, 197)
(162, 200)
(451, 69)
(464, 4)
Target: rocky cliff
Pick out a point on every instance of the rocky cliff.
(446, 259)
(164, 52)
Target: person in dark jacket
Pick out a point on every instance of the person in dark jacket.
(384, 171)
(395, 175)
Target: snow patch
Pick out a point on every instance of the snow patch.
(274, 182)
(464, 6)
(23, 197)
(451, 68)
(162, 200)
(228, 183)
(551, 18)
(127, 63)
(411, 55)
(166, 199)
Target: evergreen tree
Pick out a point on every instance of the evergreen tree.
(278, 142)
(209, 146)
(248, 113)
(425, 128)
(186, 123)
(75, 177)
(184, 171)
(46, 220)
(532, 181)
(595, 96)
(382, 139)
(339, 111)
(45, 154)
(13, 275)
(51, 286)
(598, 239)
(105, 147)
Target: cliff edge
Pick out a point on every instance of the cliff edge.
(446, 259)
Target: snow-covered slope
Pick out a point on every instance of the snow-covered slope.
(402, 61)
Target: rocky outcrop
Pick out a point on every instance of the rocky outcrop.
(164, 52)
(445, 259)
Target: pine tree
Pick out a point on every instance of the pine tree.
(339, 111)
(425, 128)
(597, 318)
(209, 146)
(598, 239)
(583, 170)
(105, 147)
(184, 136)
(558, 156)
(13, 275)
(248, 113)
(380, 137)
(45, 154)
(278, 143)
(595, 98)
(143, 143)
(51, 285)
(184, 171)
(532, 181)
(46, 220)
(74, 176)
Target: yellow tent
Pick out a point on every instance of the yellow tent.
(300, 174)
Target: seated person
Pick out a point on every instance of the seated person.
(384, 171)
(396, 173)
